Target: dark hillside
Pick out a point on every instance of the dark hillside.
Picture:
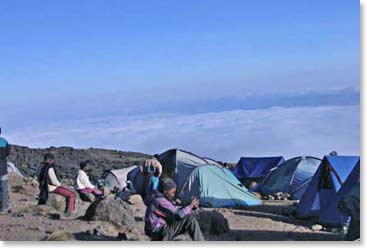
(68, 159)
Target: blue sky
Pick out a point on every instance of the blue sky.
(70, 61)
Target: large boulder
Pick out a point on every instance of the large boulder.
(109, 209)
(139, 206)
(212, 222)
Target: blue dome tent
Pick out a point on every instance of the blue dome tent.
(292, 176)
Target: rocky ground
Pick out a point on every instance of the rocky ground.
(27, 221)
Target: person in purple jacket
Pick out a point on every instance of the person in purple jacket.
(165, 221)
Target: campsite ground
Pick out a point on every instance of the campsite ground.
(261, 223)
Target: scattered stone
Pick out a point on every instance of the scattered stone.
(19, 189)
(130, 234)
(54, 216)
(139, 218)
(135, 199)
(316, 227)
(183, 237)
(87, 197)
(40, 210)
(18, 214)
(212, 222)
(61, 236)
(107, 229)
(122, 236)
(256, 194)
(106, 191)
(52, 229)
(111, 210)
(38, 229)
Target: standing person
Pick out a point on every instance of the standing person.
(83, 184)
(165, 221)
(4, 194)
(152, 170)
(49, 183)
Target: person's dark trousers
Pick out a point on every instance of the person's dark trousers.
(4, 194)
(188, 224)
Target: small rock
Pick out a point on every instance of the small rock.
(316, 227)
(122, 236)
(39, 229)
(52, 230)
(256, 194)
(40, 210)
(183, 237)
(135, 199)
(139, 218)
(61, 236)
(54, 216)
(17, 214)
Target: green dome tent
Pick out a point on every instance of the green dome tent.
(195, 177)
(216, 187)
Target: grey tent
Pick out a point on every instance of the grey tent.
(118, 178)
(179, 164)
(212, 162)
(13, 169)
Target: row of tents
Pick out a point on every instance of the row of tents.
(317, 184)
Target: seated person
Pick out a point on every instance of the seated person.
(83, 184)
(165, 221)
(49, 183)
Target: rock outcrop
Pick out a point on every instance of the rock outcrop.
(212, 222)
(109, 209)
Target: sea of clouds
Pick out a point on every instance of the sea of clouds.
(224, 135)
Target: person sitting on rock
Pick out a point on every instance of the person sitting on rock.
(152, 170)
(165, 221)
(83, 184)
(49, 183)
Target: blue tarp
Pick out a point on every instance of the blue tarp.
(256, 167)
(293, 177)
(327, 186)
(216, 187)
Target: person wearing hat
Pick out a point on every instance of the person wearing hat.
(4, 153)
(165, 221)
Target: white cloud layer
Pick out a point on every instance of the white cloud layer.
(223, 135)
